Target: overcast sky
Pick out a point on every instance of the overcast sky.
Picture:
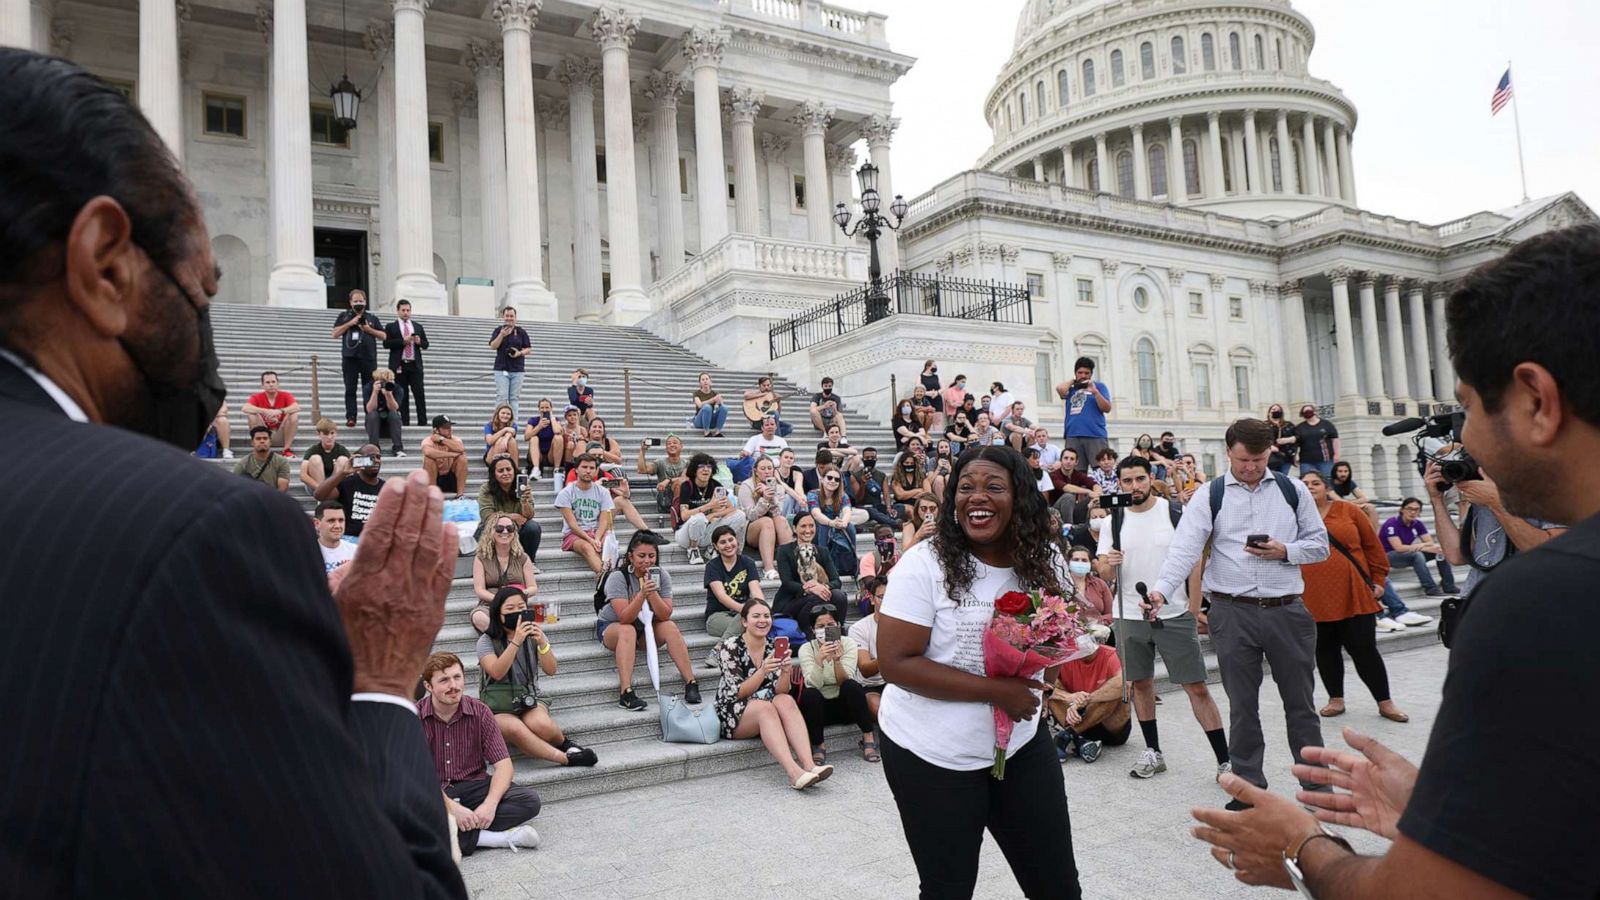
(1420, 73)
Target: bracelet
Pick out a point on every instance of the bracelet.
(1294, 855)
(544, 648)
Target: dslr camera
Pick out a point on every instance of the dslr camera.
(524, 703)
(1455, 465)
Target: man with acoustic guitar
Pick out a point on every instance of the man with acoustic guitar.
(762, 402)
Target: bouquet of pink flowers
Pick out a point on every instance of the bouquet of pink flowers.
(1029, 633)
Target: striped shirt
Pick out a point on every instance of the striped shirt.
(1245, 511)
(462, 746)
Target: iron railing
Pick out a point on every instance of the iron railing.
(907, 294)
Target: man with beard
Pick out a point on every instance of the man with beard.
(235, 740)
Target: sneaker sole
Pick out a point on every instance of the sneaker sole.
(1134, 773)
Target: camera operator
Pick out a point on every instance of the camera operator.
(1087, 402)
(1522, 334)
(1488, 535)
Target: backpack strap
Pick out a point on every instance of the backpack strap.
(1285, 485)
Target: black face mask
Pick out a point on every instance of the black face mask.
(180, 412)
(512, 621)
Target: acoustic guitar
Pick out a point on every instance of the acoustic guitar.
(758, 408)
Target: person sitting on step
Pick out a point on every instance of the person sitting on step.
(587, 511)
(356, 483)
(830, 663)
(504, 494)
(836, 521)
(865, 633)
(540, 434)
(805, 572)
(320, 458)
(571, 437)
(905, 424)
(791, 480)
(764, 401)
(383, 412)
(703, 504)
(667, 471)
(827, 409)
(276, 409)
(579, 394)
(605, 448)
(500, 436)
(755, 696)
(263, 463)
(767, 528)
(923, 522)
(836, 445)
(444, 458)
(499, 563)
(1087, 702)
(635, 582)
(512, 655)
(328, 519)
(881, 558)
(731, 578)
(710, 410)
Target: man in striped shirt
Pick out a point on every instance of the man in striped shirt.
(463, 737)
(1254, 588)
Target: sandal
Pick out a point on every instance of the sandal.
(1330, 710)
(869, 750)
(819, 755)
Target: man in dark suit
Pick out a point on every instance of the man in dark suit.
(406, 339)
(188, 716)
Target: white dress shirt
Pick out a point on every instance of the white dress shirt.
(62, 399)
(1245, 511)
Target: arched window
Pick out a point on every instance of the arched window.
(1261, 54)
(1147, 61)
(1278, 60)
(1092, 174)
(1061, 89)
(1227, 168)
(1088, 78)
(1144, 355)
(1038, 97)
(1022, 106)
(1180, 64)
(1208, 52)
(1116, 68)
(1125, 174)
(1191, 168)
(1236, 51)
(1157, 157)
(1275, 160)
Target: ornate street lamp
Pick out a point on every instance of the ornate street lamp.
(871, 224)
(346, 98)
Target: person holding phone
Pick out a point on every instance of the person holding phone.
(508, 494)
(923, 522)
(356, 482)
(513, 653)
(540, 436)
(830, 663)
(703, 504)
(636, 581)
(755, 695)
(761, 501)
(935, 724)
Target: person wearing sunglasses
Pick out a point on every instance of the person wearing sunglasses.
(836, 521)
(500, 562)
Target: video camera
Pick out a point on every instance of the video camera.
(1456, 465)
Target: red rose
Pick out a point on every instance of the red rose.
(1013, 603)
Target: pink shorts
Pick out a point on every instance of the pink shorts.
(571, 538)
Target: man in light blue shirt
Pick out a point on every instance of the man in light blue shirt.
(1087, 403)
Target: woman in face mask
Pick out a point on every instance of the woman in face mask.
(511, 657)
(1144, 447)
(954, 396)
(906, 424)
(579, 394)
(1089, 586)
(1283, 445)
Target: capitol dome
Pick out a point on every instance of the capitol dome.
(1198, 104)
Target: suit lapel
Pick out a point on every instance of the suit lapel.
(16, 385)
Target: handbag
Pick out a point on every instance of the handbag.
(680, 722)
(1451, 611)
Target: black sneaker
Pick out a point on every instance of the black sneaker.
(691, 693)
(1238, 806)
(581, 756)
(630, 701)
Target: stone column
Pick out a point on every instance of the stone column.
(703, 47)
(485, 60)
(664, 89)
(1069, 166)
(581, 76)
(1371, 352)
(1253, 172)
(1330, 156)
(1141, 167)
(16, 27)
(1344, 334)
(614, 30)
(1237, 156)
(414, 278)
(1308, 143)
(1298, 341)
(1102, 164)
(525, 287)
(1444, 372)
(383, 235)
(294, 280)
(1399, 382)
(161, 88)
(775, 153)
(746, 105)
(841, 160)
(878, 130)
(1347, 169)
(1177, 191)
(813, 117)
(1419, 343)
(1216, 185)
(1286, 161)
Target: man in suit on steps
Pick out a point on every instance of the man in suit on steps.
(405, 339)
(235, 731)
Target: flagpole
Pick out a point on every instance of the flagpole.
(1517, 119)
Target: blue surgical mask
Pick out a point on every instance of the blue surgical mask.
(1077, 567)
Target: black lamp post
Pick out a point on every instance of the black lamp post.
(871, 224)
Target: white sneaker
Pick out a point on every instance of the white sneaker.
(227, 454)
(695, 559)
(522, 837)
(1414, 618)
(1224, 768)
(535, 476)
(1387, 624)
(771, 575)
(1151, 763)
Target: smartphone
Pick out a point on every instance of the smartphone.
(833, 634)
(522, 482)
(654, 574)
(772, 483)
(1257, 541)
(780, 647)
(721, 493)
(655, 442)
(362, 462)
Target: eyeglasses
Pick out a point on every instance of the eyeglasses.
(505, 529)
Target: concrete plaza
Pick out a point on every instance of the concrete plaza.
(747, 835)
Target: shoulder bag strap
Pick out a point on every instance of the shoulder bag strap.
(1360, 569)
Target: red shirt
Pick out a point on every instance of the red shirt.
(463, 746)
(1089, 673)
(284, 400)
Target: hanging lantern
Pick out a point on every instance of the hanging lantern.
(346, 102)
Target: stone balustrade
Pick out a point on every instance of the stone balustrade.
(814, 16)
(760, 256)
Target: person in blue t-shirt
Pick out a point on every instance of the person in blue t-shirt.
(1087, 401)
(511, 347)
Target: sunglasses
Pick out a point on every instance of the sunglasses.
(830, 481)
(505, 529)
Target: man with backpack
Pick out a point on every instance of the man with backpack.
(1262, 527)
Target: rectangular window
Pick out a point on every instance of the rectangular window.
(1197, 303)
(1086, 291)
(1209, 462)
(683, 176)
(436, 142)
(600, 165)
(730, 183)
(1202, 384)
(1241, 386)
(1035, 285)
(1236, 308)
(799, 191)
(224, 115)
(325, 131)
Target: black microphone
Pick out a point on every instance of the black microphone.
(1403, 426)
(1144, 594)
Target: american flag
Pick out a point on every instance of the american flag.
(1502, 94)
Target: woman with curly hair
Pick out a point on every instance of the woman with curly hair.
(935, 728)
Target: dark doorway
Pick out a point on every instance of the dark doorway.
(341, 260)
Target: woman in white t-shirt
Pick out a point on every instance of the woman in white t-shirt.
(935, 726)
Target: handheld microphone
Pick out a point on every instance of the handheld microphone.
(1144, 594)
(1403, 426)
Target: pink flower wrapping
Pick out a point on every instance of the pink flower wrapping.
(1024, 645)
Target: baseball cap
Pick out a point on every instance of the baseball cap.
(442, 422)
(571, 408)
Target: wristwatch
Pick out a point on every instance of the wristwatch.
(1291, 858)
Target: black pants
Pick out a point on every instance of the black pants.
(944, 813)
(1107, 736)
(356, 368)
(408, 384)
(517, 805)
(1358, 636)
(850, 707)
